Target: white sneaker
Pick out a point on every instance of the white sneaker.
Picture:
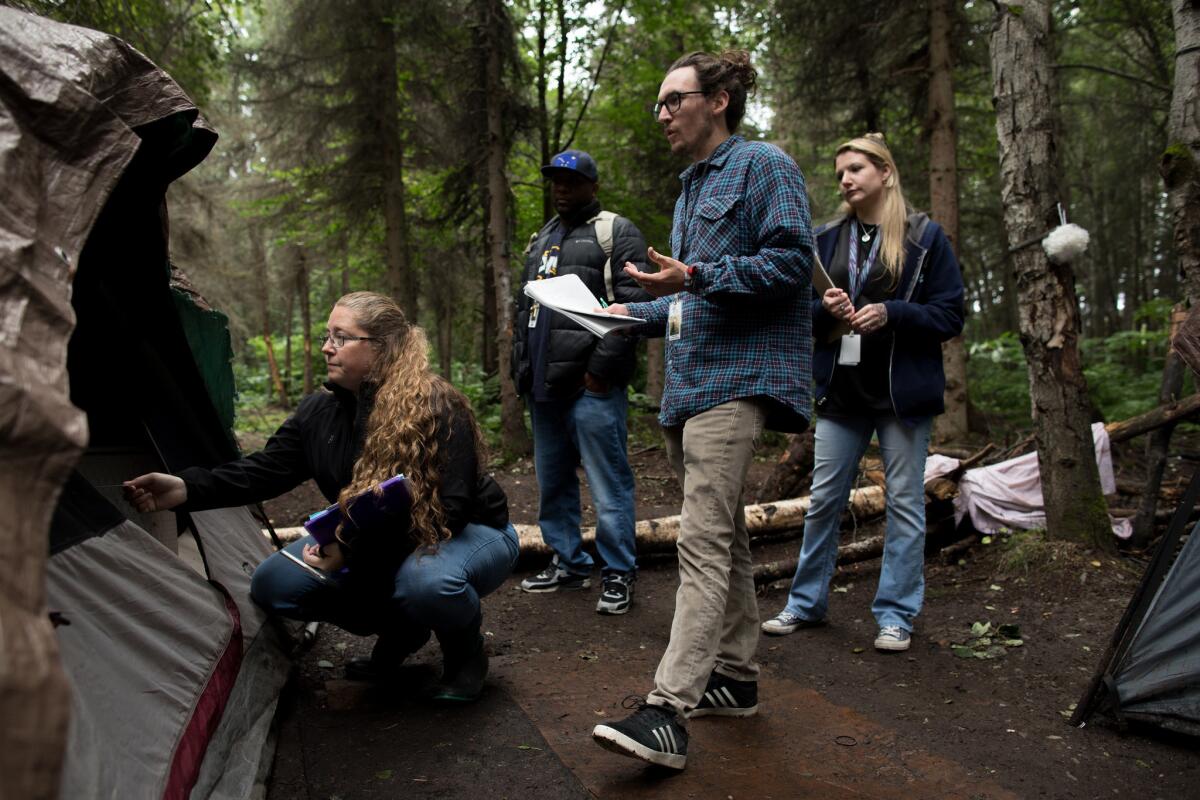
(892, 638)
(786, 622)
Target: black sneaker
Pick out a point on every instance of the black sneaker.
(653, 733)
(727, 697)
(618, 593)
(553, 578)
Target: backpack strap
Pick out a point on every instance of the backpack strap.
(604, 237)
(533, 237)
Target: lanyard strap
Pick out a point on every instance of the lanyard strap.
(549, 265)
(859, 274)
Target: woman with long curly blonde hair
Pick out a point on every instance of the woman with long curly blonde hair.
(383, 412)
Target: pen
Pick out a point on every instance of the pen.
(602, 303)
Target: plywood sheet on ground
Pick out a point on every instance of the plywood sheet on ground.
(799, 745)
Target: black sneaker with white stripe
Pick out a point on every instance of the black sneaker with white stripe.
(727, 697)
(617, 594)
(653, 733)
(553, 578)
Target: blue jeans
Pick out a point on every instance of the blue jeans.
(589, 429)
(839, 444)
(435, 588)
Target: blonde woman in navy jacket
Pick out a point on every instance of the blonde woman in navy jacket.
(877, 370)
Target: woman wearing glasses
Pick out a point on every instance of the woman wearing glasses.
(877, 369)
(383, 412)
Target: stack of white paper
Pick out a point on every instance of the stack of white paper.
(567, 295)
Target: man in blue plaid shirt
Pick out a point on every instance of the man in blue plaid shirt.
(734, 304)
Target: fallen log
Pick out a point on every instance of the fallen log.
(1156, 417)
(659, 535)
(862, 550)
(941, 531)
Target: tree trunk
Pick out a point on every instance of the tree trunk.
(445, 295)
(258, 257)
(654, 370)
(402, 280)
(1156, 452)
(1180, 165)
(560, 106)
(1025, 97)
(303, 291)
(792, 475)
(543, 108)
(445, 326)
(289, 325)
(488, 356)
(512, 418)
(942, 123)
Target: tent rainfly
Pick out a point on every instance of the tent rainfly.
(132, 661)
(1150, 672)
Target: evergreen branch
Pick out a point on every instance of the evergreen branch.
(1117, 74)
(612, 29)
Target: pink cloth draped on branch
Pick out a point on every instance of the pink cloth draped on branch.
(1009, 494)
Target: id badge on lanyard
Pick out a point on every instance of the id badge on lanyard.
(675, 319)
(850, 351)
(548, 269)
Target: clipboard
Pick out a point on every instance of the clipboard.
(822, 283)
(308, 567)
(369, 508)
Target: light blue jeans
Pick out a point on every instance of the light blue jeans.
(590, 429)
(839, 444)
(435, 588)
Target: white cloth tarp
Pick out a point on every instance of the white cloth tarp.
(1009, 494)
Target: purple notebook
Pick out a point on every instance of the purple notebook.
(366, 510)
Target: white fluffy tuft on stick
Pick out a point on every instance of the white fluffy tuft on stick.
(1065, 242)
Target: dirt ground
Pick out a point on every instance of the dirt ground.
(837, 719)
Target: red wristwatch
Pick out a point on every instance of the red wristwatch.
(689, 274)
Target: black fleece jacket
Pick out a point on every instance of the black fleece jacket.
(321, 441)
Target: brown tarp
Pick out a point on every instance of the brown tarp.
(70, 99)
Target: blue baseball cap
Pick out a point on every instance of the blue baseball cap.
(573, 161)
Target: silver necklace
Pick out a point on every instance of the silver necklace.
(867, 234)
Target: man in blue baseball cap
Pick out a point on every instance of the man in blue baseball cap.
(572, 161)
(574, 383)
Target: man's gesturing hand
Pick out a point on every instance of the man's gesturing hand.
(668, 280)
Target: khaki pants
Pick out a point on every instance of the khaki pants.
(716, 615)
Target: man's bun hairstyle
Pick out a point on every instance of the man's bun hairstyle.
(730, 72)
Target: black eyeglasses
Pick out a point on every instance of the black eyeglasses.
(339, 339)
(672, 102)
